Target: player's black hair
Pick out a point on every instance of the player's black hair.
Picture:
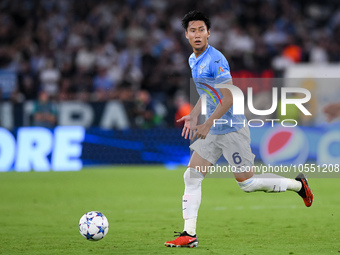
(195, 15)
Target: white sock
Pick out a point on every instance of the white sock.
(269, 183)
(191, 199)
(190, 226)
(294, 185)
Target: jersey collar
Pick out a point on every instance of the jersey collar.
(200, 56)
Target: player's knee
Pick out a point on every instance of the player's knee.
(192, 177)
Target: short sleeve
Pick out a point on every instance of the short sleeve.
(219, 68)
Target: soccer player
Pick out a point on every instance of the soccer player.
(233, 141)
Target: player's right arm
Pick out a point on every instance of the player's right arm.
(190, 120)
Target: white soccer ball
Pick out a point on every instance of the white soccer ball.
(93, 226)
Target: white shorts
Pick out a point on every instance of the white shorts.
(235, 147)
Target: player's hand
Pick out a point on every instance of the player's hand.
(188, 121)
(201, 131)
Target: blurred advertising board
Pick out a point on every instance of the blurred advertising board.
(323, 81)
(71, 148)
(110, 114)
(41, 149)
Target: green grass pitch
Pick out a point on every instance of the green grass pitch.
(39, 214)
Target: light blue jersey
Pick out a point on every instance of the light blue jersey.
(209, 69)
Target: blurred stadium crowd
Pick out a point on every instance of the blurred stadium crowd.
(135, 50)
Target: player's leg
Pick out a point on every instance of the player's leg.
(239, 155)
(204, 155)
(191, 201)
(269, 182)
(193, 178)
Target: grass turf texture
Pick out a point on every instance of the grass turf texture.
(40, 214)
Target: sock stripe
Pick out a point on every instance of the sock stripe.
(193, 169)
(246, 182)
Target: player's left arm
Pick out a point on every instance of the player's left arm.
(219, 69)
(221, 109)
(227, 101)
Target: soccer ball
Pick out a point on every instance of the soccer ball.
(93, 226)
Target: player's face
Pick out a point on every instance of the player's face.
(197, 34)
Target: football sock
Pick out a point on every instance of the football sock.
(191, 199)
(269, 183)
(294, 185)
(190, 226)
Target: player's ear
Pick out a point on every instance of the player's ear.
(186, 34)
(208, 33)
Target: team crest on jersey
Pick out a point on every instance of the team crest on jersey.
(220, 70)
(201, 69)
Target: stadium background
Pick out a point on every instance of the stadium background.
(119, 69)
(115, 77)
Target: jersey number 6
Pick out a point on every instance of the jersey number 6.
(237, 159)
